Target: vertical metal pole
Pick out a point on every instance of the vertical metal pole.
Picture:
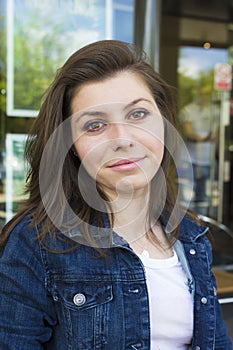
(139, 22)
(224, 120)
(109, 19)
(147, 28)
(152, 31)
(214, 128)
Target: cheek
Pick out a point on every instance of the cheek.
(81, 149)
(153, 141)
(86, 149)
(159, 152)
(89, 155)
(156, 149)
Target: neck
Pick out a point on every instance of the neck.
(131, 215)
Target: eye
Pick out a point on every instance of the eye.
(94, 126)
(138, 114)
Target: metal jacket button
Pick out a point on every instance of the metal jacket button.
(204, 300)
(192, 251)
(79, 299)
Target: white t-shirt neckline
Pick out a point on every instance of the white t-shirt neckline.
(158, 263)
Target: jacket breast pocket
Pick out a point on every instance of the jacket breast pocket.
(84, 309)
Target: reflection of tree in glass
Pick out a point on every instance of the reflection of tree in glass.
(191, 88)
(45, 34)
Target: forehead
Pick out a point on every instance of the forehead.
(123, 87)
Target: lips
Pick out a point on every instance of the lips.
(125, 162)
(126, 165)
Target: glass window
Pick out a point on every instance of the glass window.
(199, 115)
(41, 35)
(36, 39)
(201, 125)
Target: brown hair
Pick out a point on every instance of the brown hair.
(94, 62)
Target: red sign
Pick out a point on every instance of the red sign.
(223, 76)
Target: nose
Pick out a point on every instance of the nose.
(121, 136)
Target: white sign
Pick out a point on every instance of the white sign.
(223, 76)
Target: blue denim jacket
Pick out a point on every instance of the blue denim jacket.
(82, 301)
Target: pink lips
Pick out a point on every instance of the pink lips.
(126, 164)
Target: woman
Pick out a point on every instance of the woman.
(101, 257)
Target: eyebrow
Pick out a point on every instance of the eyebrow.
(136, 101)
(100, 113)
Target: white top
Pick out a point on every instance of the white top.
(171, 304)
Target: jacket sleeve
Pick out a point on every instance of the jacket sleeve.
(222, 341)
(27, 313)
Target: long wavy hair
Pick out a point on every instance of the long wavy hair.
(93, 63)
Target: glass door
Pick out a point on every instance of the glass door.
(202, 121)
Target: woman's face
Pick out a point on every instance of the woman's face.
(118, 133)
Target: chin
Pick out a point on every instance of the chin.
(127, 186)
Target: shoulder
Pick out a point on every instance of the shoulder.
(194, 238)
(21, 260)
(191, 229)
(22, 238)
(24, 229)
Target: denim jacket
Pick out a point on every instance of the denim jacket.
(80, 300)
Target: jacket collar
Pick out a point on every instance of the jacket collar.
(190, 230)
